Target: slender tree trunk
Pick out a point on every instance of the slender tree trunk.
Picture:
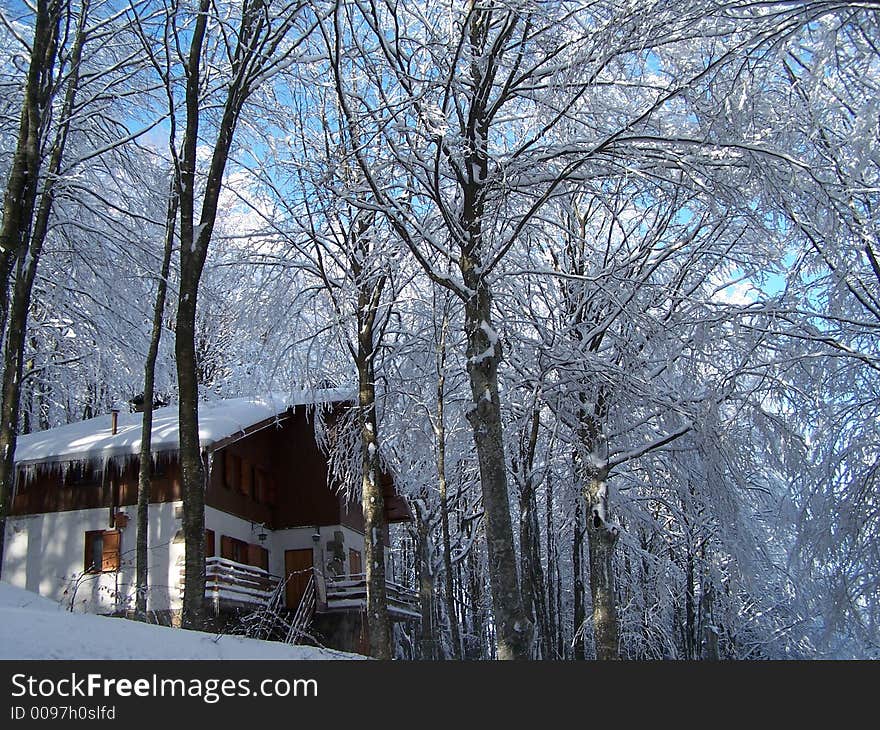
(25, 229)
(602, 537)
(710, 650)
(427, 632)
(531, 572)
(555, 645)
(580, 612)
(449, 585)
(13, 360)
(20, 199)
(533, 542)
(145, 466)
(476, 603)
(689, 608)
(191, 467)
(194, 243)
(378, 621)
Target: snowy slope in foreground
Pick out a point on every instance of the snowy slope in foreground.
(33, 627)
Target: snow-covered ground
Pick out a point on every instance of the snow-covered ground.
(33, 627)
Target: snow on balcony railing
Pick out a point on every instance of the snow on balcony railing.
(345, 593)
(230, 583)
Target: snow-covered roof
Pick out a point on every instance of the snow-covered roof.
(218, 420)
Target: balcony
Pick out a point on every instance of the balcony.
(349, 593)
(232, 585)
(235, 585)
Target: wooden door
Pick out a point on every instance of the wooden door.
(297, 571)
(354, 562)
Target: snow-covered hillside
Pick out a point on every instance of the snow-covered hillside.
(33, 627)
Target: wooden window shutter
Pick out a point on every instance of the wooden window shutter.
(209, 543)
(227, 547)
(246, 480)
(257, 494)
(260, 492)
(231, 470)
(258, 556)
(240, 551)
(110, 550)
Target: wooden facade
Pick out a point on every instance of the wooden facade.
(274, 474)
(49, 489)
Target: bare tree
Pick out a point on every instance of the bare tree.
(25, 220)
(146, 459)
(248, 47)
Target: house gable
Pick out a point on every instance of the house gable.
(270, 472)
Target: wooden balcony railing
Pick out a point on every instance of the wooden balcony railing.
(346, 593)
(236, 585)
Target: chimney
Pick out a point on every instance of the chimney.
(114, 420)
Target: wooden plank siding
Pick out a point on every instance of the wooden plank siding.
(274, 474)
(46, 491)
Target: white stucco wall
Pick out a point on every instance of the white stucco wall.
(295, 538)
(45, 554)
(298, 538)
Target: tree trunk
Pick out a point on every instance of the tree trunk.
(20, 199)
(689, 607)
(580, 612)
(378, 621)
(191, 468)
(145, 466)
(602, 537)
(477, 649)
(191, 475)
(531, 572)
(449, 585)
(427, 632)
(555, 646)
(513, 628)
(194, 243)
(24, 229)
(710, 650)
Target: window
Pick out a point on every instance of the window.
(209, 543)
(101, 551)
(232, 549)
(80, 474)
(258, 556)
(231, 470)
(246, 480)
(159, 468)
(241, 552)
(266, 491)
